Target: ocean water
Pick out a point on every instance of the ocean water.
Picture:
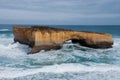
(72, 62)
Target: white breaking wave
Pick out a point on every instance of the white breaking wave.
(4, 30)
(12, 73)
(14, 59)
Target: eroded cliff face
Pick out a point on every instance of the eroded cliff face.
(46, 38)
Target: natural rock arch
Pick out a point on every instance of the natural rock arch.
(46, 38)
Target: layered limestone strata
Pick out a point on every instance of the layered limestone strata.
(46, 38)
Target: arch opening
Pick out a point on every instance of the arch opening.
(77, 41)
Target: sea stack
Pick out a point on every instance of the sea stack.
(47, 38)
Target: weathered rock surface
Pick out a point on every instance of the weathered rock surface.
(46, 38)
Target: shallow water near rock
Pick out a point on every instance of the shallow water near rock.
(72, 62)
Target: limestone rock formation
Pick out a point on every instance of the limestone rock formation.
(46, 38)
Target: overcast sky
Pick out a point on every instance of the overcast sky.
(60, 12)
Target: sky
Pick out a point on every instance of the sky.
(60, 12)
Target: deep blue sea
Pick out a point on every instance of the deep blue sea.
(72, 62)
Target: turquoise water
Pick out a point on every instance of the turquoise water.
(72, 62)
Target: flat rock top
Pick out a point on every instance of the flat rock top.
(47, 28)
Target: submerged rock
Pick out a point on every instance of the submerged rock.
(46, 38)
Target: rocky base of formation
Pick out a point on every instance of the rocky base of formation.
(47, 38)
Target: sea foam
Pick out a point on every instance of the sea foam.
(72, 58)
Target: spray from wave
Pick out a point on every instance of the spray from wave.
(70, 62)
